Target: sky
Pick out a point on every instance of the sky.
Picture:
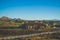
(30, 9)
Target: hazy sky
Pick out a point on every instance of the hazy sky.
(30, 9)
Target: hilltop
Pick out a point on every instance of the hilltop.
(27, 24)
